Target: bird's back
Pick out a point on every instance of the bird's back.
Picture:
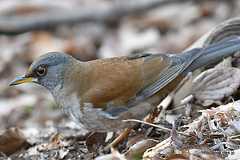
(117, 80)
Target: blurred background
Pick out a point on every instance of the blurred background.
(87, 30)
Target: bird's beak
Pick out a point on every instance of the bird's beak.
(22, 79)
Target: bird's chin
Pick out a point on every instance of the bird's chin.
(36, 82)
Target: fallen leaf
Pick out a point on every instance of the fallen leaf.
(95, 140)
(12, 140)
(139, 148)
(115, 155)
(212, 85)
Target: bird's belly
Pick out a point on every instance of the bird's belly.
(94, 119)
(97, 120)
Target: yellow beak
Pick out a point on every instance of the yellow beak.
(20, 80)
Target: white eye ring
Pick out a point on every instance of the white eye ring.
(41, 71)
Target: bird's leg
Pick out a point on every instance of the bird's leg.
(94, 140)
(150, 117)
(123, 135)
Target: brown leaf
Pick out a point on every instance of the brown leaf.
(115, 155)
(95, 140)
(12, 140)
(194, 154)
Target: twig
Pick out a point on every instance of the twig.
(153, 125)
(150, 124)
(17, 25)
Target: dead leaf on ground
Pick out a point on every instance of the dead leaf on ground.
(95, 140)
(215, 129)
(194, 154)
(12, 140)
(139, 148)
(115, 155)
(212, 85)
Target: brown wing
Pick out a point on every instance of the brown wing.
(176, 66)
(117, 80)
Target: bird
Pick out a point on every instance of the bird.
(101, 93)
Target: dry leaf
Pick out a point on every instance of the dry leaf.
(234, 156)
(12, 140)
(212, 85)
(195, 154)
(215, 128)
(139, 148)
(95, 140)
(115, 155)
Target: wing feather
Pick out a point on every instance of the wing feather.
(165, 77)
(177, 65)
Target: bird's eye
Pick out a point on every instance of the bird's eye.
(41, 71)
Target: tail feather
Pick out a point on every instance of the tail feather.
(212, 53)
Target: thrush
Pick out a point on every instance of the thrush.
(101, 93)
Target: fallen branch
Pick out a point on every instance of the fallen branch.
(17, 25)
(150, 124)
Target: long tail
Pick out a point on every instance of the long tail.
(212, 53)
(222, 41)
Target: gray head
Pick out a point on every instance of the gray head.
(48, 70)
